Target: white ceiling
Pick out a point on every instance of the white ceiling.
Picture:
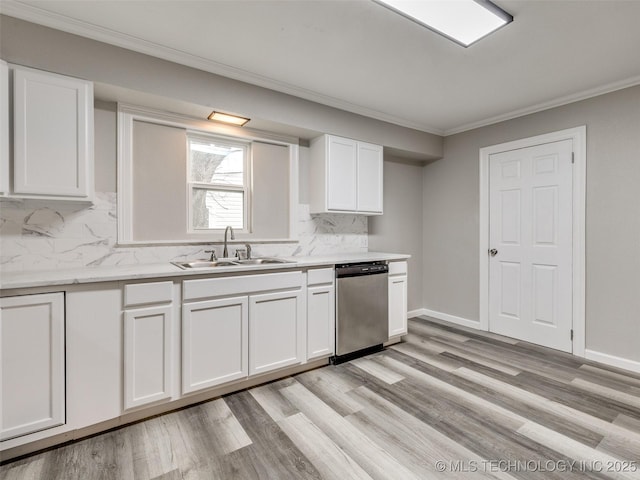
(359, 56)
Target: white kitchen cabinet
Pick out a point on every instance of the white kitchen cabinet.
(342, 173)
(369, 181)
(52, 136)
(32, 368)
(276, 330)
(94, 347)
(4, 128)
(346, 176)
(217, 327)
(147, 355)
(397, 299)
(214, 342)
(321, 313)
(148, 322)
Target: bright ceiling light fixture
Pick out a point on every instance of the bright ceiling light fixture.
(228, 118)
(463, 21)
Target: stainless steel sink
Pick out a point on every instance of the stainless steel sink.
(204, 264)
(263, 261)
(230, 263)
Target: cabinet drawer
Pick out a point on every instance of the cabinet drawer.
(397, 268)
(319, 276)
(245, 284)
(145, 293)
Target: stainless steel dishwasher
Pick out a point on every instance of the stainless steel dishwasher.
(362, 314)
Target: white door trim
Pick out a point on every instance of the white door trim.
(579, 137)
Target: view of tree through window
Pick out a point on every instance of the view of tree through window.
(217, 181)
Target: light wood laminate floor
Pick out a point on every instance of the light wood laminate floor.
(447, 403)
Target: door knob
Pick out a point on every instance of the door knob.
(493, 252)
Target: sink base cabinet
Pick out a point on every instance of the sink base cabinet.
(276, 330)
(32, 364)
(214, 342)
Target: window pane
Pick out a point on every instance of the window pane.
(216, 163)
(217, 209)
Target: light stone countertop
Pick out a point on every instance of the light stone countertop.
(46, 278)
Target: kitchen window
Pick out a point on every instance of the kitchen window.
(218, 183)
(182, 181)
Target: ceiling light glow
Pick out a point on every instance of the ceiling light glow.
(228, 118)
(463, 21)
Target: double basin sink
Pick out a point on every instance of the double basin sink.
(232, 263)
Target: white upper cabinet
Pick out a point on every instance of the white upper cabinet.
(346, 176)
(342, 172)
(52, 136)
(369, 178)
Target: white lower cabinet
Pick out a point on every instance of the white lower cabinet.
(214, 342)
(147, 355)
(148, 325)
(321, 313)
(32, 364)
(276, 323)
(237, 326)
(397, 299)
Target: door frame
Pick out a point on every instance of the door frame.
(578, 135)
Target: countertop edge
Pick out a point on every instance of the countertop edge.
(89, 275)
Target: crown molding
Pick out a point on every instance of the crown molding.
(67, 24)
(558, 102)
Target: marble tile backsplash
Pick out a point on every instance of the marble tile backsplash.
(38, 235)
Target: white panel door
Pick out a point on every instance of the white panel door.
(147, 355)
(397, 305)
(31, 364)
(276, 328)
(321, 315)
(214, 342)
(53, 132)
(341, 173)
(530, 237)
(369, 178)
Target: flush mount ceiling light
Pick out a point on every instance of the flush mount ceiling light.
(228, 118)
(463, 21)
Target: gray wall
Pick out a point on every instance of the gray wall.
(399, 230)
(40, 47)
(451, 195)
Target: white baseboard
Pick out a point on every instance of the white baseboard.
(416, 313)
(465, 322)
(612, 360)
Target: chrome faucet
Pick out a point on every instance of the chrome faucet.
(225, 252)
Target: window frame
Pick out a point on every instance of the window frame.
(127, 114)
(246, 188)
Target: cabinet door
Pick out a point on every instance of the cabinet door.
(341, 173)
(214, 342)
(370, 185)
(53, 132)
(397, 305)
(276, 330)
(321, 316)
(32, 363)
(4, 128)
(147, 355)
